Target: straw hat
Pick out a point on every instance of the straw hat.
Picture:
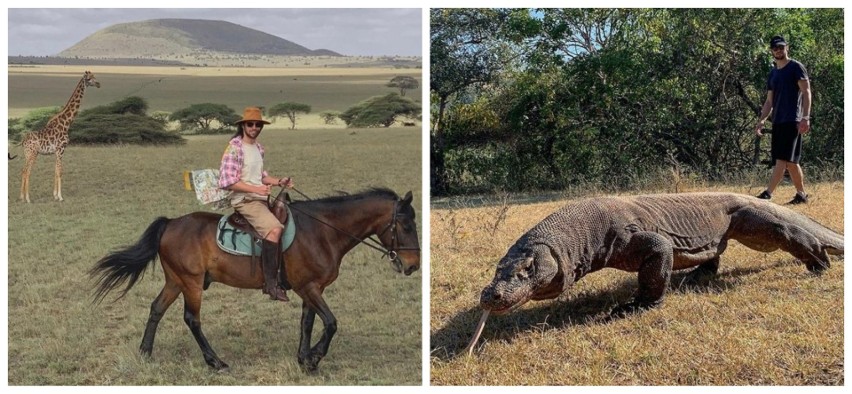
(251, 114)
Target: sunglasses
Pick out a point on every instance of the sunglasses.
(254, 124)
(778, 48)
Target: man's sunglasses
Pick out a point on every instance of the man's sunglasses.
(778, 48)
(255, 124)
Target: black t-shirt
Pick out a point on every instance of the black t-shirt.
(787, 99)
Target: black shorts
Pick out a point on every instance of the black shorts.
(786, 142)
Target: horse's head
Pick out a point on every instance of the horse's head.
(400, 237)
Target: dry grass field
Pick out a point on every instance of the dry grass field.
(56, 336)
(171, 88)
(764, 320)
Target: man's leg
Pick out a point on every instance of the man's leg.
(258, 214)
(777, 175)
(271, 257)
(797, 176)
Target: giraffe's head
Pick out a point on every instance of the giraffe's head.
(89, 77)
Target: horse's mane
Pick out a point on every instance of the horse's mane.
(374, 192)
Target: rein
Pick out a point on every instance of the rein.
(377, 245)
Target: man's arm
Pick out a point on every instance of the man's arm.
(805, 123)
(273, 181)
(764, 113)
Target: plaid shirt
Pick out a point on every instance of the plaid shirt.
(232, 162)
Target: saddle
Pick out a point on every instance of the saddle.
(235, 235)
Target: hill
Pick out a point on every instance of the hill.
(176, 38)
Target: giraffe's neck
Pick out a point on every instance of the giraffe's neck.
(63, 119)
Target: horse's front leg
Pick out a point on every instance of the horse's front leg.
(313, 299)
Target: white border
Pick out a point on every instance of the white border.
(425, 181)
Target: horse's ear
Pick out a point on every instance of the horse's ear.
(407, 199)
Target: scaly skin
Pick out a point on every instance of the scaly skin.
(651, 235)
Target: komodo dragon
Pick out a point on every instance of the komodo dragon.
(651, 235)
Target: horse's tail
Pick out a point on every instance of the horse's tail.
(128, 264)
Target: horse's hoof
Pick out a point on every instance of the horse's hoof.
(222, 368)
(310, 369)
(310, 364)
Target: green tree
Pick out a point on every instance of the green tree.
(162, 116)
(380, 111)
(130, 105)
(403, 83)
(121, 122)
(199, 117)
(567, 96)
(122, 129)
(329, 117)
(290, 110)
(464, 53)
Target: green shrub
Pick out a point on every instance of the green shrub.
(122, 129)
(121, 122)
(34, 120)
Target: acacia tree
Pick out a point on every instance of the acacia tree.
(201, 116)
(380, 111)
(403, 82)
(129, 105)
(329, 117)
(122, 122)
(290, 110)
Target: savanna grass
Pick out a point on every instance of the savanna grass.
(58, 337)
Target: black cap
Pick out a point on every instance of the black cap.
(776, 41)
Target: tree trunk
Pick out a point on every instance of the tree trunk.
(437, 173)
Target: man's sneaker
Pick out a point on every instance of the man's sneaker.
(765, 195)
(799, 198)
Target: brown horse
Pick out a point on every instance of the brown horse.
(326, 229)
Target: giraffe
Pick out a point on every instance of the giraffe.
(53, 138)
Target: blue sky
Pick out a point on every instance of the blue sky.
(369, 32)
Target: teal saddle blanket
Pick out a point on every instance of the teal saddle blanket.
(240, 243)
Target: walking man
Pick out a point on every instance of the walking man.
(788, 100)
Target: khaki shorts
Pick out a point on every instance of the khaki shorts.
(258, 214)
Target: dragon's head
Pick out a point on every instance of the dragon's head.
(526, 272)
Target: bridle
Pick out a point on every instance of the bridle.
(391, 252)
